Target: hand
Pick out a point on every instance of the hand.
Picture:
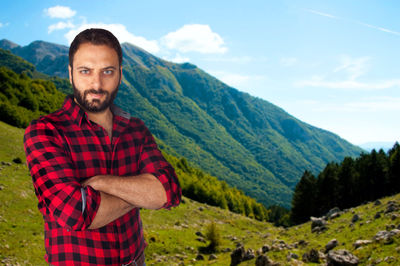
(93, 181)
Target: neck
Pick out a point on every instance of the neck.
(103, 118)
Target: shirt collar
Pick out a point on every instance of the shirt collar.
(77, 114)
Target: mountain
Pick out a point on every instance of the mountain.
(246, 141)
(369, 146)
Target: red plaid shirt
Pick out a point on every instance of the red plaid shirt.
(65, 148)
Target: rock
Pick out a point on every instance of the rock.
(341, 257)
(226, 250)
(292, 256)
(237, 255)
(311, 256)
(212, 257)
(391, 207)
(333, 213)
(317, 222)
(378, 215)
(360, 243)
(355, 218)
(199, 257)
(263, 260)
(302, 243)
(201, 209)
(318, 225)
(198, 233)
(331, 245)
(202, 240)
(377, 203)
(265, 248)
(386, 235)
(249, 254)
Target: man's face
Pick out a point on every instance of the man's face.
(95, 76)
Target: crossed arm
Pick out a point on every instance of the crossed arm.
(119, 195)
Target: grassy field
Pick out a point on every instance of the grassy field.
(171, 235)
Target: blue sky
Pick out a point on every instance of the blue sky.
(334, 64)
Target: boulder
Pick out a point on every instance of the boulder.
(360, 243)
(263, 260)
(333, 213)
(292, 256)
(355, 218)
(377, 203)
(249, 254)
(331, 245)
(237, 255)
(318, 225)
(199, 257)
(265, 248)
(341, 257)
(212, 257)
(311, 256)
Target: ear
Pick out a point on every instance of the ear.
(70, 73)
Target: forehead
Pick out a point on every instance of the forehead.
(95, 55)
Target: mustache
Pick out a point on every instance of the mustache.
(93, 91)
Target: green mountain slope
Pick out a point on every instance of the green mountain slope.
(246, 141)
(172, 235)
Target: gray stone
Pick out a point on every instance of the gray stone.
(265, 248)
(249, 254)
(237, 255)
(292, 256)
(333, 213)
(378, 215)
(377, 203)
(341, 257)
(263, 260)
(311, 256)
(355, 218)
(331, 245)
(360, 243)
(212, 257)
(198, 233)
(199, 257)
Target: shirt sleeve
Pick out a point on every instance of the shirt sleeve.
(60, 194)
(153, 162)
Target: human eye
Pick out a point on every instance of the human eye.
(84, 71)
(108, 71)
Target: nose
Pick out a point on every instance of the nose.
(96, 80)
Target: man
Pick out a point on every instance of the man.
(93, 166)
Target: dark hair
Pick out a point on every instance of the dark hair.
(96, 37)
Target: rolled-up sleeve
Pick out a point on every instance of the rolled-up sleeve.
(153, 162)
(59, 192)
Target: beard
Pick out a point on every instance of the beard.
(94, 106)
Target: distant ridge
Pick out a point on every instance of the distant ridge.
(246, 141)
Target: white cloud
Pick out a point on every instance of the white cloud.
(235, 59)
(318, 81)
(236, 80)
(354, 67)
(288, 61)
(59, 26)
(120, 32)
(177, 59)
(346, 76)
(60, 12)
(195, 38)
(363, 105)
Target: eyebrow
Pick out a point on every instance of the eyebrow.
(108, 67)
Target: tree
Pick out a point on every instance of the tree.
(303, 202)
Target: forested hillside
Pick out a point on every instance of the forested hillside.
(347, 184)
(246, 141)
(23, 99)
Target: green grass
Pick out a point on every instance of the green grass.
(171, 235)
